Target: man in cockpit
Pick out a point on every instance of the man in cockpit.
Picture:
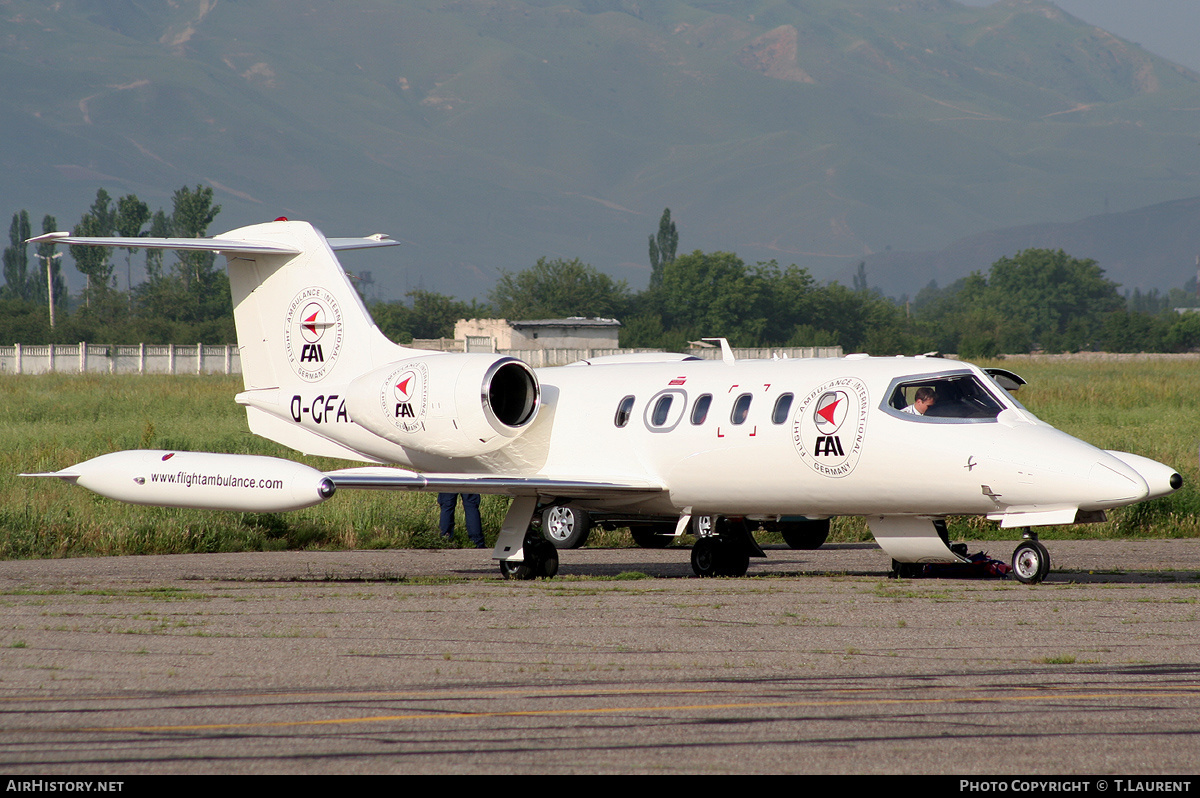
(926, 398)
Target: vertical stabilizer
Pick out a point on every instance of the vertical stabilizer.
(299, 319)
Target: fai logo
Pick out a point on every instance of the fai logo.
(313, 337)
(403, 397)
(830, 425)
(830, 411)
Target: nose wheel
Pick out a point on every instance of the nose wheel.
(1030, 562)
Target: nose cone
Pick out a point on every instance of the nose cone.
(1161, 480)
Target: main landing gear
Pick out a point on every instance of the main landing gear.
(1030, 561)
(541, 559)
(518, 537)
(566, 526)
(723, 546)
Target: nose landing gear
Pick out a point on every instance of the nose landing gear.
(1031, 561)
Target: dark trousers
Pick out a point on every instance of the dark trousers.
(470, 501)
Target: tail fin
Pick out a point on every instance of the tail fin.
(299, 320)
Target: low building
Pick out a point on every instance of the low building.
(491, 335)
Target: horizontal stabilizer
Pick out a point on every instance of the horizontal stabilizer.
(224, 245)
(376, 240)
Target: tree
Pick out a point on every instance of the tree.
(16, 258)
(431, 315)
(93, 261)
(196, 293)
(193, 212)
(132, 214)
(860, 278)
(1062, 299)
(662, 247)
(1038, 297)
(160, 227)
(558, 289)
(713, 294)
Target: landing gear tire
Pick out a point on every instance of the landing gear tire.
(1030, 562)
(737, 560)
(804, 535)
(907, 570)
(704, 557)
(541, 559)
(653, 536)
(516, 570)
(717, 557)
(566, 526)
(547, 566)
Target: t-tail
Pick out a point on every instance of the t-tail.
(304, 333)
(299, 319)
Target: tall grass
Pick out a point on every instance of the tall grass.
(1151, 408)
(53, 421)
(1147, 407)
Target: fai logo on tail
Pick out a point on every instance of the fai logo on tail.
(314, 333)
(830, 425)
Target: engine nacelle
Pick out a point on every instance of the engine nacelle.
(453, 405)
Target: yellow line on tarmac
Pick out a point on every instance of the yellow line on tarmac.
(1031, 695)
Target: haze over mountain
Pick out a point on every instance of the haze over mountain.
(487, 133)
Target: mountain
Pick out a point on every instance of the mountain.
(1153, 247)
(487, 133)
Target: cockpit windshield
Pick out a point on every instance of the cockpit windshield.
(945, 396)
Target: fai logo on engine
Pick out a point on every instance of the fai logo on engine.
(830, 425)
(314, 333)
(403, 397)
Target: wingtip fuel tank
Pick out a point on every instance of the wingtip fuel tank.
(242, 483)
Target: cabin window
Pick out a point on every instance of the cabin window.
(956, 397)
(665, 409)
(700, 409)
(741, 409)
(623, 411)
(661, 410)
(783, 406)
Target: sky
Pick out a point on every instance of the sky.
(1170, 28)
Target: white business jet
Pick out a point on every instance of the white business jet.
(671, 442)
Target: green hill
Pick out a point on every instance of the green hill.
(487, 133)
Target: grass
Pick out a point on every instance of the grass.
(52, 421)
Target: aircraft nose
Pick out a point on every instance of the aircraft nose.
(1161, 480)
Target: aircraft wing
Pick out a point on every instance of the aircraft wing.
(382, 478)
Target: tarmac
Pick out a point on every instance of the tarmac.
(429, 662)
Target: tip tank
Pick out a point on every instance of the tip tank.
(238, 482)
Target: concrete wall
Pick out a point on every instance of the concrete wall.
(85, 358)
(207, 359)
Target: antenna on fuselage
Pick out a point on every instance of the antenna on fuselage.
(726, 352)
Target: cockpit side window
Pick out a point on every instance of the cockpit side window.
(949, 397)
